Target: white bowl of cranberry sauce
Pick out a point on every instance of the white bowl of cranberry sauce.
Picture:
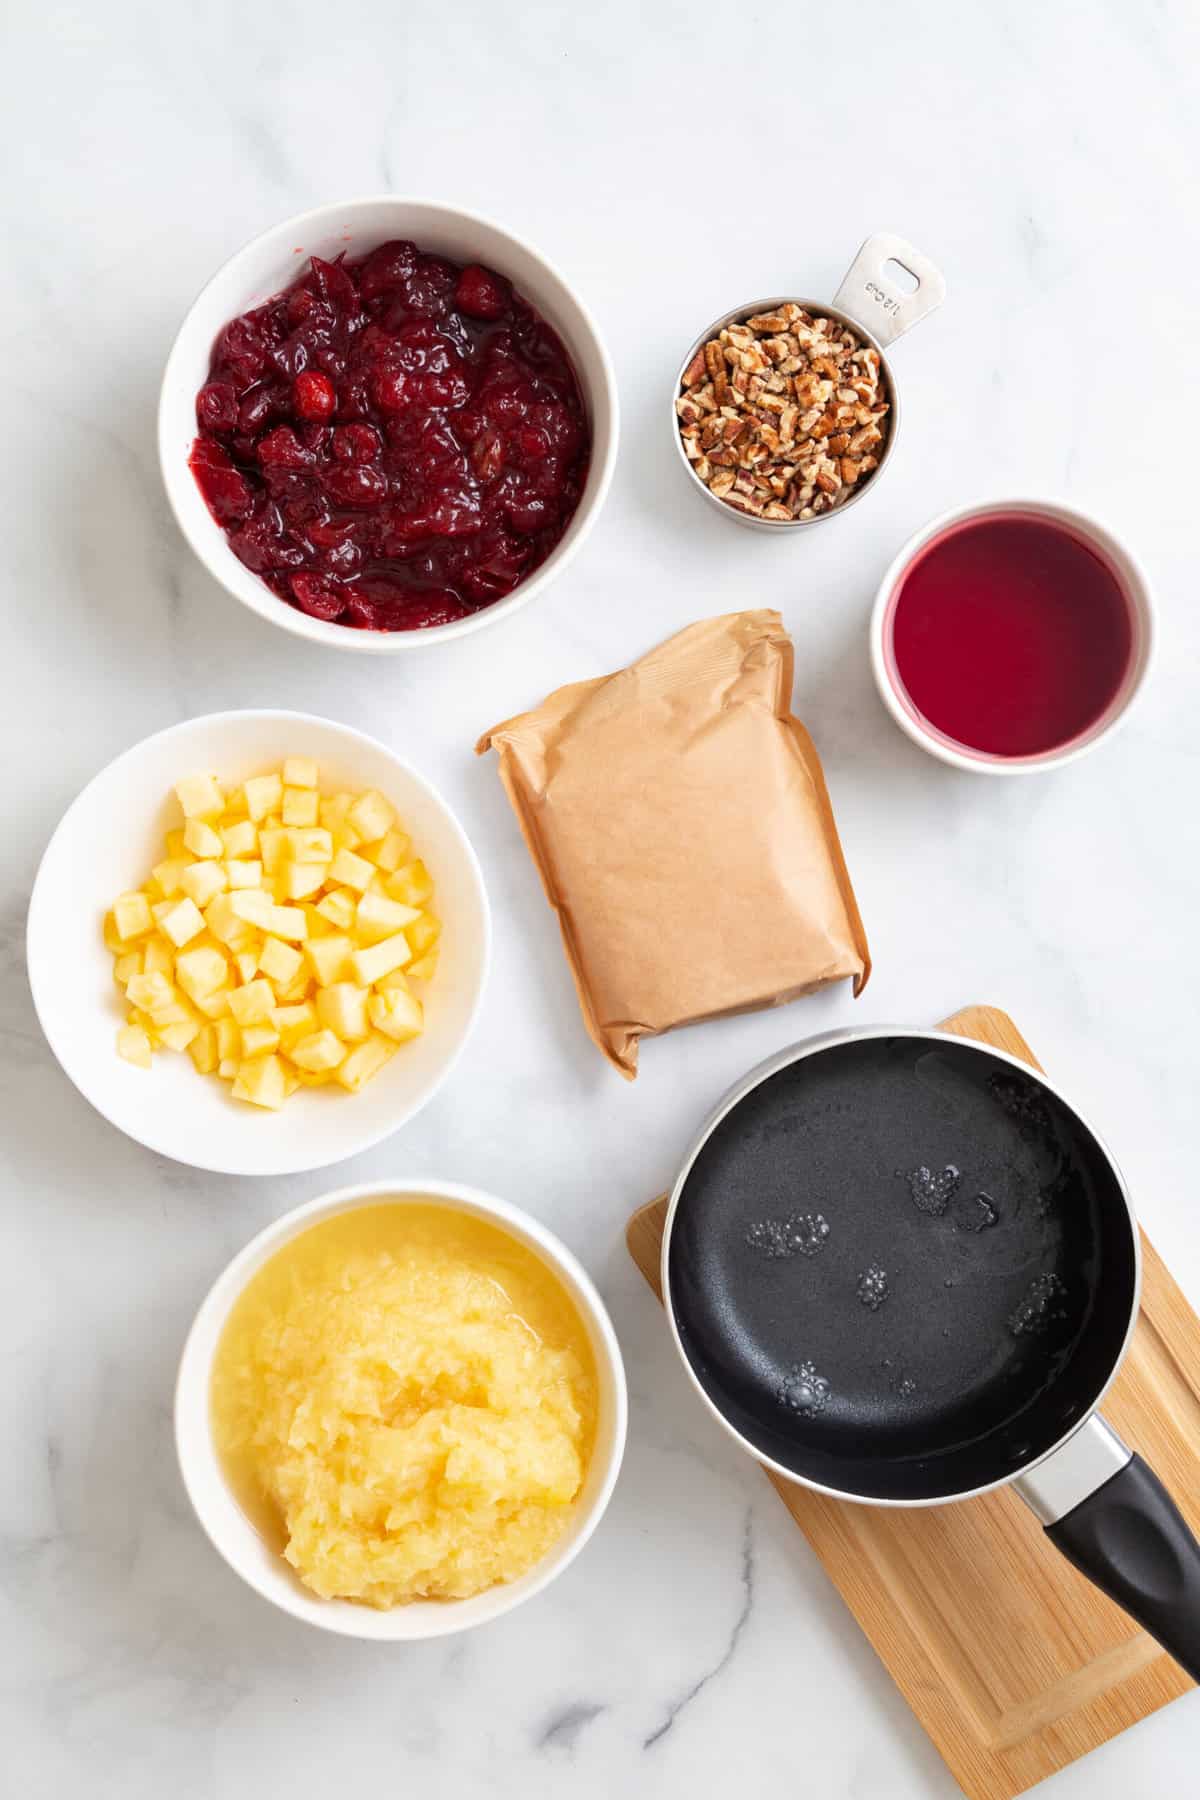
(387, 423)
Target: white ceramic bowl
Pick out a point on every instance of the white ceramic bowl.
(237, 1540)
(270, 263)
(1115, 556)
(107, 842)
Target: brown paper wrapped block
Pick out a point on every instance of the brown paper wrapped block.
(679, 818)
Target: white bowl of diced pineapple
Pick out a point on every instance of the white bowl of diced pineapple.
(258, 941)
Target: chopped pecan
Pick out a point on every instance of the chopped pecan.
(784, 414)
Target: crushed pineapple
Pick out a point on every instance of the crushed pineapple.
(410, 1396)
(269, 941)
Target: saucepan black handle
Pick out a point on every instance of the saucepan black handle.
(1130, 1539)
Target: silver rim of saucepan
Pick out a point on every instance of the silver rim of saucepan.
(738, 316)
(797, 1053)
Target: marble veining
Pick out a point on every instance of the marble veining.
(671, 161)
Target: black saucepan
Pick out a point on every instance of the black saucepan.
(900, 1268)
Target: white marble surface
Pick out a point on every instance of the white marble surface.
(673, 160)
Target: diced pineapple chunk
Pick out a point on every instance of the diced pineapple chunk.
(175, 844)
(396, 982)
(201, 839)
(228, 1067)
(296, 991)
(225, 924)
(378, 917)
(320, 1051)
(264, 795)
(247, 964)
(229, 1038)
(425, 967)
(203, 1050)
(272, 844)
(371, 816)
(179, 1033)
(313, 845)
(134, 1045)
(351, 871)
(200, 797)
(295, 1022)
(280, 962)
(299, 772)
(252, 1004)
(397, 1014)
(158, 958)
(200, 971)
(132, 916)
(339, 908)
(113, 941)
(258, 1039)
(257, 908)
(329, 957)
(168, 875)
(203, 881)
(243, 872)
(239, 839)
(412, 884)
(380, 959)
(297, 880)
(182, 923)
(423, 933)
(214, 1005)
(149, 991)
(260, 1080)
(127, 966)
(342, 1008)
(365, 1061)
(301, 806)
(390, 851)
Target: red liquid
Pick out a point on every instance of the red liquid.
(1011, 635)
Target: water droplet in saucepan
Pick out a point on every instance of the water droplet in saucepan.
(974, 1212)
(873, 1289)
(1039, 1306)
(803, 1390)
(932, 1191)
(800, 1234)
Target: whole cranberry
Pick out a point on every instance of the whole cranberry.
(321, 599)
(242, 349)
(335, 286)
(355, 484)
(386, 268)
(356, 443)
(224, 487)
(282, 449)
(259, 405)
(314, 396)
(217, 407)
(481, 293)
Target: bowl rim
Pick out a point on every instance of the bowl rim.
(147, 1136)
(345, 1618)
(1128, 570)
(255, 594)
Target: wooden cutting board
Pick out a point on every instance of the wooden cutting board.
(1014, 1664)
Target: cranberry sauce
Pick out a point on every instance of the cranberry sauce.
(1011, 636)
(394, 442)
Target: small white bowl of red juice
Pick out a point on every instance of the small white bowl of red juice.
(1012, 637)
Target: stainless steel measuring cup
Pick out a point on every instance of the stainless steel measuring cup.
(868, 303)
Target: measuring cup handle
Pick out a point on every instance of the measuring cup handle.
(874, 302)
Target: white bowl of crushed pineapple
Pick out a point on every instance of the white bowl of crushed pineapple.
(257, 942)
